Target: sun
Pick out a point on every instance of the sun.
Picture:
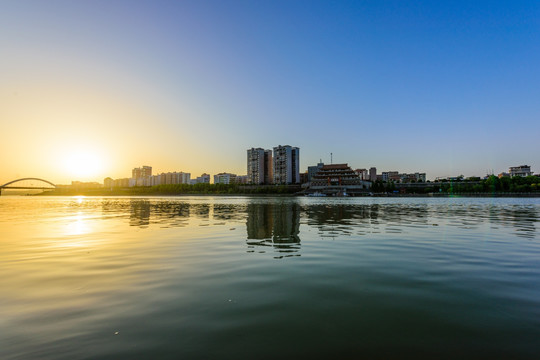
(82, 164)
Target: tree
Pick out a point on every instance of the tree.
(492, 184)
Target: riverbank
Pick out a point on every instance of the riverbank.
(180, 190)
(124, 192)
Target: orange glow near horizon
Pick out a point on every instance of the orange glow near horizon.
(69, 132)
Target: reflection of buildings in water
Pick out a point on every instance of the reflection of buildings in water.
(322, 214)
(522, 218)
(201, 210)
(143, 212)
(405, 214)
(342, 219)
(260, 221)
(169, 213)
(140, 213)
(373, 211)
(336, 219)
(286, 223)
(398, 214)
(276, 225)
(228, 212)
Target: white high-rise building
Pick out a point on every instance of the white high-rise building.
(259, 166)
(286, 165)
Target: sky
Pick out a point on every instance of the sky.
(90, 89)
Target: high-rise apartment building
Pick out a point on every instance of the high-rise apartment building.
(286, 165)
(142, 172)
(259, 166)
(373, 174)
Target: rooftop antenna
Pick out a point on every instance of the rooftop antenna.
(331, 162)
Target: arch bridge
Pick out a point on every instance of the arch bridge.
(28, 184)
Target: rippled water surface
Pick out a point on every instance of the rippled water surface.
(230, 278)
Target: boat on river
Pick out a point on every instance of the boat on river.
(316, 194)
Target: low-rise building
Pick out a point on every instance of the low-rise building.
(363, 174)
(121, 183)
(169, 178)
(413, 177)
(108, 183)
(397, 177)
(337, 177)
(225, 178)
(242, 179)
(521, 170)
(203, 179)
(81, 185)
(87, 184)
(312, 170)
(389, 175)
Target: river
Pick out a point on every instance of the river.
(264, 278)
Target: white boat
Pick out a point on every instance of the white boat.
(316, 194)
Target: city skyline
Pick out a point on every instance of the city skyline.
(258, 161)
(93, 89)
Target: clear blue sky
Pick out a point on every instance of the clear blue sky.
(446, 88)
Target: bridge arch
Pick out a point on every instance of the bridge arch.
(29, 178)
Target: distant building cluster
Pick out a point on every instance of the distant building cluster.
(396, 177)
(142, 176)
(281, 166)
(80, 185)
(115, 183)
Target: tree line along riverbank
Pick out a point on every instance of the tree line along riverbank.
(491, 186)
(182, 189)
